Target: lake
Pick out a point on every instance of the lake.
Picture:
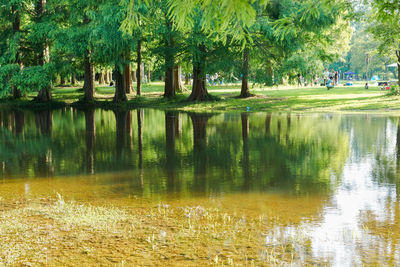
(303, 188)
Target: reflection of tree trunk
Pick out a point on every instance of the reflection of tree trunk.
(288, 120)
(268, 124)
(245, 159)
(279, 128)
(199, 122)
(44, 122)
(120, 118)
(129, 132)
(398, 161)
(19, 119)
(140, 118)
(120, 93)
(90, 138)
(171, 122)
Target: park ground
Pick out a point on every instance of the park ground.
(282, 98)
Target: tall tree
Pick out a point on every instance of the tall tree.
(386, 17)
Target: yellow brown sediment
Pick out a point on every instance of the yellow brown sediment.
(53, 231)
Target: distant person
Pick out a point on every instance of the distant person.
(330, 83)
(111, 83)
(336, 78)
(366, 86)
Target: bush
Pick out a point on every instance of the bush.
(7, 73)
(33, 79)
(394, 90)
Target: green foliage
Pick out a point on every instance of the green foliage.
(394, 90)
(34, 79)
(7, 72)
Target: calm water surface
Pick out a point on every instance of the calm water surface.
(332, 178)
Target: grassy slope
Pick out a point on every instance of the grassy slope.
(315, 99)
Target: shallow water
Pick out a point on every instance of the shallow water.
(331, 179)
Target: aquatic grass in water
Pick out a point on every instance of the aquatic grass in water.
(54, 231)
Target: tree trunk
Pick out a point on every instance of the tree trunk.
(107, 78)
(101, 77)
(169, 62)
(177, 82)
(139, 65)
(73, 79)
(168, 85)
(88, 85)
(127, 78)
(16, 29)
(44, 95)
(133, 76)
(62, 80)
(43, 56)
(199, 90)
(245, 75)
(187, 78)
(149, 75)
(398, 66)
(120, 94)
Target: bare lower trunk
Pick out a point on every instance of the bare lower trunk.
(101, 77)
(16, 29)
(44, 95)
(169, 90)
(149, 75)
(199, 90)
(245, 72)
(133, 74)
(139, 65)
(187, 79)
(120, 94)
(73, 79)
(177, 82)
(168, 85)
(107, 78)
(127, 78)
(398, 65)
(62, 80)
(88, 86)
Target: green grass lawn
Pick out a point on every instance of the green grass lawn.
(313, 99)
